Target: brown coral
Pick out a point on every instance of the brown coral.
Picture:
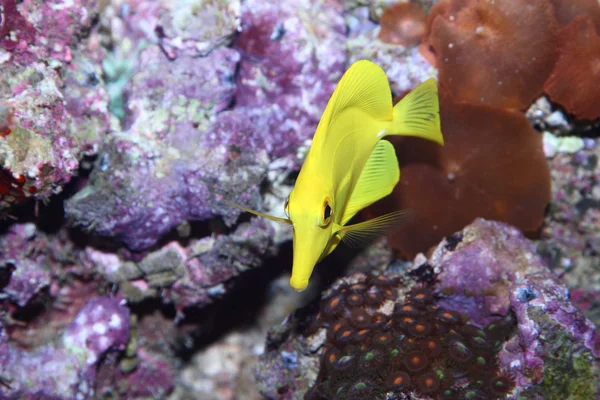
(566, 10)
(575, 80)
(497, 53)
(403, 24)
(492, 166)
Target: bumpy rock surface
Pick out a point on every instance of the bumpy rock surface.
(486, 272)
(53, 104)
(66, 368)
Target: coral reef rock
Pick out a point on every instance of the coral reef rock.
(54, 106)
(490, 276)
(66, 368)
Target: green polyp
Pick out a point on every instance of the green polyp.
(369, 356)
(440, 373)
(461, 347)
(479, 340)
(499, 384)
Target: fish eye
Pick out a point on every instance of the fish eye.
(285, 207)
(327, 212)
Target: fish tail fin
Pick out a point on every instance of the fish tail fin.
(418, 114)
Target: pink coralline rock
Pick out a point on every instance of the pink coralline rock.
(16, 32)
(55, 105)
(153, 377)
(66, 368)
(31, 273)
(570, 238)
(190, 27)
(58, 25)
(142, 370)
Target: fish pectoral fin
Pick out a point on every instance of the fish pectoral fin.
(377, 179)
(363, 233)
(418, 114)
(258, 213)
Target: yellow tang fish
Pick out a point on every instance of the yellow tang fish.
(349, 166)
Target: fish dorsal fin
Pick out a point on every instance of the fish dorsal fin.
(364, 86)
(258, 213)
(418, 114)
(363, 233)
(377, 179)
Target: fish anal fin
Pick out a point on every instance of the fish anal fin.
(363, 233)
(258, 213)
(377, 179)
(418, 114)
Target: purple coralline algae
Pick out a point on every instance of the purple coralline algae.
(184, 147)
(65, 368)
(54, 108)
(167, 167)
(494, 270)
(486, 272)
(292, 55)
(31, 272)
(570, 239)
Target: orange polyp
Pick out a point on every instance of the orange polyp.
(398, 380)
(429, 382)
(355, 299)
(337, 326)
(332, 358)
(416, 361)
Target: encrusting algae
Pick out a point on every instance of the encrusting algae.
(349, 166)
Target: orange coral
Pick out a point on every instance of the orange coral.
(575, 80)
(497, 53)
(492, 166)
(566, 10)
(403, 24)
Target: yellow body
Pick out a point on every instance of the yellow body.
(349, 167)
